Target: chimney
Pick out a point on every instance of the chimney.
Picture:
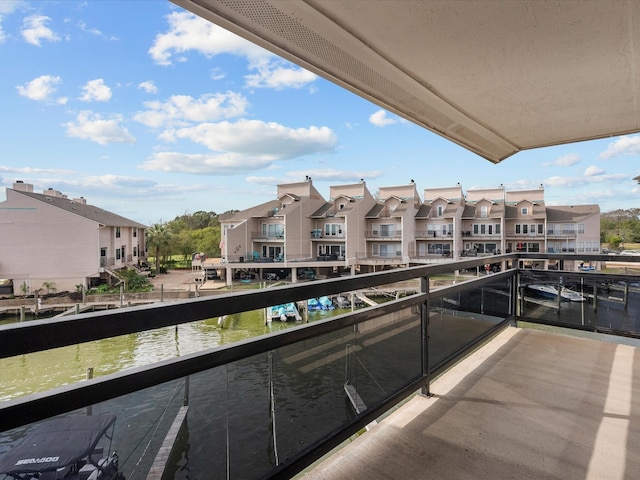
(53, 193)
(22, 187)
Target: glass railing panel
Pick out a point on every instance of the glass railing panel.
(387, 356)
(459, 317)
(586, 300)
(142, 420)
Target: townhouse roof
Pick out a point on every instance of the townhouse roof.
(538, 211)
(375, 211)
(90, 212)
(322, 211)
(571, 212)
(423, 211)
(265, 209)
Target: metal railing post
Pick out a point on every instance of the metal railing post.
(424, 320)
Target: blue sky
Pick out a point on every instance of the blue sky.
(150, 112)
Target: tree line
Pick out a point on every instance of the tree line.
(618, 227)
(190, 233)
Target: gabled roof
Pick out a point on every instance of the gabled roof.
(263, 210)
(90, 212)
(423, 211)
(375, 211)
(571, 213)
(322, 211)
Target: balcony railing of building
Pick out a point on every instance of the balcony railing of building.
(382, 235)
(268, 407)
(106, 262)
(318, 233)
(425, 235)
(268, 236)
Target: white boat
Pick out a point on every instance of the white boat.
(550, 291)
(285, 312)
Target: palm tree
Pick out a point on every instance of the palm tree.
(158, 238)
(50, 286)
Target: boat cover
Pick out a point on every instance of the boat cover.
(55, 444)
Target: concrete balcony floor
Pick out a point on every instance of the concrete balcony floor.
(529, 404)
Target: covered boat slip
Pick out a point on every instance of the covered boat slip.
(528, 404)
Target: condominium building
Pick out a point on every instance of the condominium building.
(355, 231)
(50, 238)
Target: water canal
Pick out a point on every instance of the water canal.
(218, 398)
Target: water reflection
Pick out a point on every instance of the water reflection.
(36, 372)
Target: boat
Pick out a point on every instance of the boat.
(550, 291)
(285, 312)
(327, 303)
(66, 448)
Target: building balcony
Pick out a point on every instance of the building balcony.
(379, 235)
(422, 235)
(319, 234)
(542, 403)
(267, 237)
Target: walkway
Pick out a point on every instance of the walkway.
(528, 405)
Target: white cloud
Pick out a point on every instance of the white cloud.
(10, 6)
(564, 160)
(380, 119)
(148, 86)
(624, 145)
(593, 171)
(181, 110)
(91, 126)
(588, 179)
(278, 74)
(204, 164)
(331, 174)
(41, 88)
(34, 30)
(92, 30)
(188, 32)
(261, 139)
(242, 147)
(96, 90)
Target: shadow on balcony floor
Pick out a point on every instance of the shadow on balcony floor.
(529, 404)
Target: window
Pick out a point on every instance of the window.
(272, 230)
(524, 211)
(117, 254)
(135, 232)
(581, 228)
(103, 252)
(525, 229)
(333, 229)
(497, 225)
(540, 228)
(440, 210)
(117, 232)
(518, 229)
(484, 211)
(387, 230)
(341, 206)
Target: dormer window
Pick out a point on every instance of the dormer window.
(440, 210)
(341, 206)
(484, 211)
(524, 211)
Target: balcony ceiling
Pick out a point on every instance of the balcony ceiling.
(496, 77)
